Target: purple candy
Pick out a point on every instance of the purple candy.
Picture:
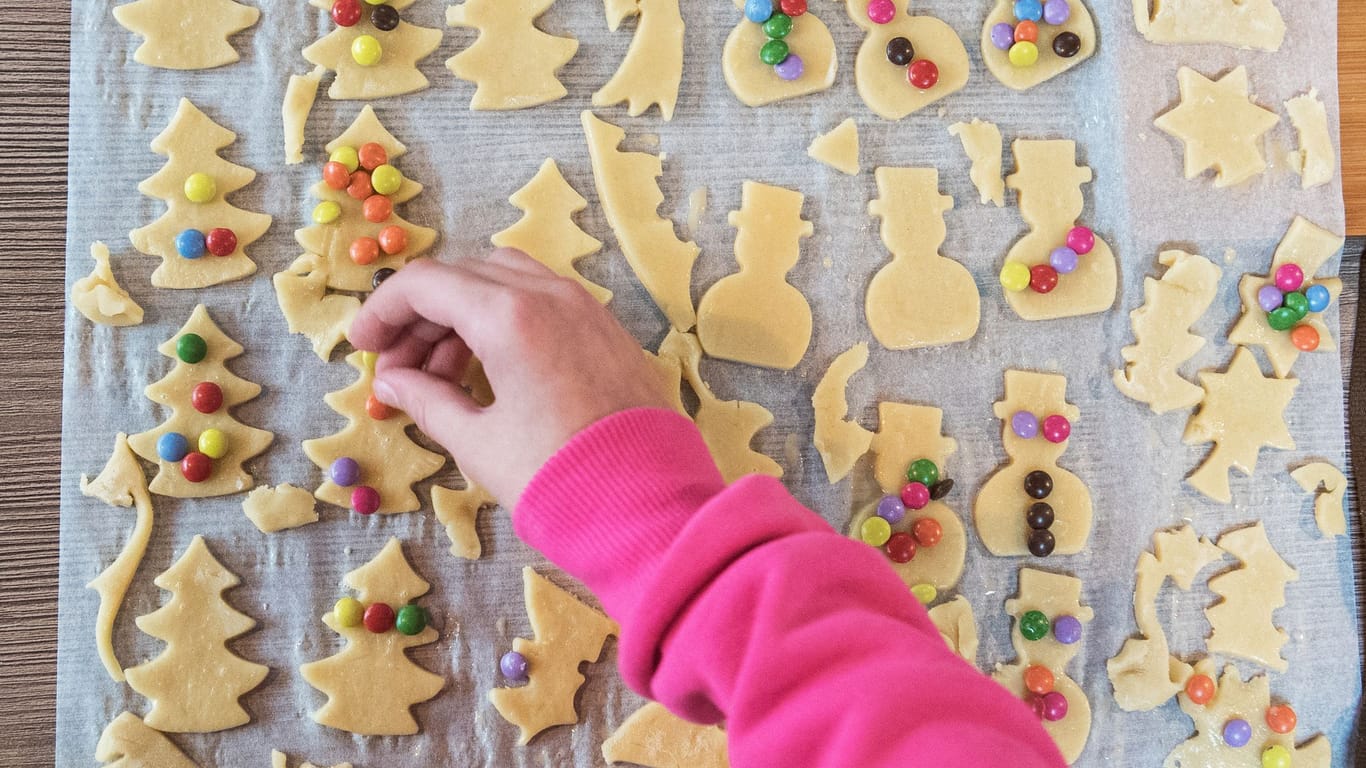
(345, 472)
(790, 68)
(1237, 732)
(891, 509)
(1024, 424)
(1003, 36)
(1057, 12)
(514, 666)
(1067, 629)
(1063, 259)
(1270, 298)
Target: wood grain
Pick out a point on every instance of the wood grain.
(1352, 97)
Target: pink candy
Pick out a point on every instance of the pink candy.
(1081, 240)
(365, 500)
(1054, 706)
(1289, 277)
(881, 11)
(915, 495)
(1056, 428)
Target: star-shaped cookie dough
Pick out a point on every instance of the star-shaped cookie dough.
(1220, 125)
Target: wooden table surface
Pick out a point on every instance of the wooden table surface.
(33, 143)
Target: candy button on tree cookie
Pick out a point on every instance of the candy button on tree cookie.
(200, 188)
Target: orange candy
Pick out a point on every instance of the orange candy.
(1281, 718)
(1200, 689)
(335, 175)
(377, 410)
(927, 531)
(364, 250)
(1305, 338)
(377, 209)
(372, 156)
(393, 239)
(1026, 32)
(360, 186)
(1038, 679)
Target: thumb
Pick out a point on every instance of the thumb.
(445, 412)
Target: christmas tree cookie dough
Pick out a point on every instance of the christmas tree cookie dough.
(195, 683)
(371, 684)
(1237, 23)
(656, 738)
(628, 190)
(1329, 487)
(321, 317)
(508, 32)
(99, 296)
(958, 627)
(547, 231)
(279, 759)
(982, 143)
(919, 299)
(373, 50)
(200, 449)
(278, 509)
(201, 238)
(185, 34)
(127, 742)
(1242, 411)
(840, 441)
(372, 463)
(1031, 505)
(1162, 339)
(458, 510)
(755, 316)
(839, 148)
(1220, 126)
(1315, 161)
(1030, 42)
(906, 62)
(1241, 624)
(777, 52)
(1060, 268)
(568, 633)
(653, 68)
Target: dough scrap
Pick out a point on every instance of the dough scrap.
(279, 759)
(1315, 161)
(127, 742)
(99, 296)
(568, 633)
(1047, 182)
(547, 231)
(1241, 624)
(280, 508)
(371, 684)
(1310, 246)
(173, 391)
(755, 83)
(397, 72)
(322, 317)
(1241, 412)
(839, 148)
(628, 191)
(755, 316)
(195, 683)
(958, 627)
(185, 34)
(882, 85)
(190, 143)
(1237, 23)
(1219, 125)
(652, 70)
(120, 484)
(507, 33)
(458, 510)
(1328, 511)
(390, 461)
(654, 737)
(1162, 339)
(982, 142)
(999, 510)
(300, 94)
(841, 442)
(1049, 65)
(919, 298)
(1055, 595)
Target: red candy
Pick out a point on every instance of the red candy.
(378, 618)
(364, 250)
(377, 209)
(900, 548)
(793, 8)
(365, 500)
(923, 74)
(346, 12)
(377, 409)
(206, 397)
(335, 175)
(927, 531)
(1043, 278)
(196, 467)
(1281, 718)
(372, 156)
(359, 187)
(1026, 32)
(393, 239)
(1200, 689)
(221, 241)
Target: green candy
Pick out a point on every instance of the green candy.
(923, 471)
(773, 53)
(778, 26)
(191, 348)
(1297, 302)
(1034, 625)
(1282, 319)
(411, 620)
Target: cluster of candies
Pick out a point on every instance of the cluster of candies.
(345, 471)
(921, 73)
(1063, 260)
(1286, 301)
(365, 49)
(206, 397)
(380, 618)
(1039, 484)
(922, 486)
(514, 667)
(777, 24)
(1280, 718)
(193, 243)
(1021, 41)
(366, 175)
(1049, 704)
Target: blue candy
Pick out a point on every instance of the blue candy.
(190, 244)
(1319, 298)
(1028, 10)
(172, 446)
(758, 11)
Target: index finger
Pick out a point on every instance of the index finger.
(444, 294)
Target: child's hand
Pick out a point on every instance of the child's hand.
(556, 359)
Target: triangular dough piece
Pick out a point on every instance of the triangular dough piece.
(839, 148)
(654, 737)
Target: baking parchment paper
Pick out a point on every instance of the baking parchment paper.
(470, 162)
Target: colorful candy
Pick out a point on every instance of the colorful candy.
(1276, 756)
(881, 11)
(793, 8)
(378, 618)
(206, 397)
(900, 547)
(790, 68)
(1025, 425)
(364, 250)
(1056, 12)
(349, 159)
(1305, 338)
(393, 239)
(1054, 706)
(366, 50)
(1281, 718)
(1237, 732)
(1319, 298)
(213, 443)
(1003, 36)
(1056, 428)
(514, 667)
(891, 509)
(1289, 277)
(1028, 10)
(346, 13)
(927, 532)
(360, 187)
(774, 52)
(1081, 239)
(377, 209)
(376, 408)
(190, 244)
(900, 51)
(915, 495)
(1038, 484)
(875, 531)
(386, 179)
(348, 612)
(925, 593)
(326, 212)
(336, 175)
(923, 471)
(221, 241)
(1296, 301)
(411, 620)
(758, 11)
(1200, 689)
(191, 348)
(365, 500)
(371, 155)
(385, 18)
(1067, 44)
(200, 188)
(196, 467)
(778, 26)
(1034, 626)
(923, 74)
(1270, 298)
(1027, 32)
(1014, 276)
(345, 472)
(1038, 679)
(1063, 259)
(172, 447)
(1067, 629)
(1023, 54)
(1282, 319)
(1043, 278)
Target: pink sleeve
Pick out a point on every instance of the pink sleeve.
(738, 604)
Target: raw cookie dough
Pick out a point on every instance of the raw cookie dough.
(1309, 246)
(1219, 125)
(458, 510)
(982, 143)
(653, 67)
(628, 191)
(919, 298)
(300, 94)
(755, 316)
(1241, 624)
(396, 73)
(1050, 64)
(1328, 511)
(190, 143)
(1000, 507)
(1242, 411)
(568, 633)
(279, 759)
(1047, 182)
(390, 461)
(1162, 339)
(883, 85)
(1238, 23)
(99, 296)
(127, 742)
(280, 508)
(508, 34)
(196, 681)
(174, 391)
(755, 83)
(839, 148)
(840, 442)
(185, 34)
(1315, 161)
(656, 738)
(958, 627)
(120, 484)
(547, 231)
(322, 317)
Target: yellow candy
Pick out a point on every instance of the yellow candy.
(875, 531)
(386, 179)
(1024, 54)
(369, 359)
(376, 2)
(925, 593)
(1276, 756)
(1014, 276)
(213, 443)
(326, 212)
(366, 50)
(348, 612)
(200, 188)
(347, 156)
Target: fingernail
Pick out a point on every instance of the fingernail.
(384, 392)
